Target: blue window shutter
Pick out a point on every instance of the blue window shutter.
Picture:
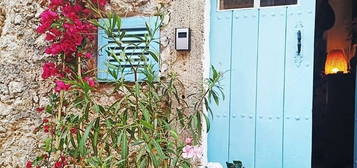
(102, 74)
(132, 26)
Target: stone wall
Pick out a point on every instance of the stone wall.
(21, 56)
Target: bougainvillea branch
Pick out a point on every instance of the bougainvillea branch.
(66, 27)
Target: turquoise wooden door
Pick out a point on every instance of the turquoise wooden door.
(266, 119)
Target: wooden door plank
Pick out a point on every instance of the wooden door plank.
(270, 88)
(220, 51)
(243, 90)
(298, 87)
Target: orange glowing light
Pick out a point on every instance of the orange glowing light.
(336, 62)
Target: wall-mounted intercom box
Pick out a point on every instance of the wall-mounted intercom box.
(183, 39)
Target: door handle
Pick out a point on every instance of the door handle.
(299, 42)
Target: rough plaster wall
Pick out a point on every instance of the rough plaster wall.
(20, 87)
(21, 57)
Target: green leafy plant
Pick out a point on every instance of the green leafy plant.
(235, 164)
(149, 123)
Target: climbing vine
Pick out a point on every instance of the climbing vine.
(142, 127)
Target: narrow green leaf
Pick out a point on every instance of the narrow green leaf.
(96, 136)
(48, 145)
(215, 97)
(84, 138)
(152, 155)
(124, 147)
(174, 134)
(149, 30)
(146, 124)
(144, 163)
(146, 113)
(158, 149)
(207, 122)
(72, 141)
(154, 56)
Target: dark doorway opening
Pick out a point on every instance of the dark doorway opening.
(334, 93)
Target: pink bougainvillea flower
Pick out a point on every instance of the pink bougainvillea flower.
(86, 11)
(39, 109)
(73, 30)
(49, 70)
(46, 128)
(73, 130)
(54, 49)
(90, 81)
(47, 18)
(72, 38)
(60, 85)
(53, 34)
(29, 164)
(188, 141)
(63, 159)
(77, 8)
(73, 34)
(55, 4)
(88, 55)
(58, 164)
(56, 32)
(50, 37)
(45, 120)
(43, 28)
(100, 3)
(70, 11)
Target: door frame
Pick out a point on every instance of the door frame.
(256, 6)
(207, 54)
(206, 72)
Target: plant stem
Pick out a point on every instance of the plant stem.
(60, 107)
(79, 70)
(59, 114)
